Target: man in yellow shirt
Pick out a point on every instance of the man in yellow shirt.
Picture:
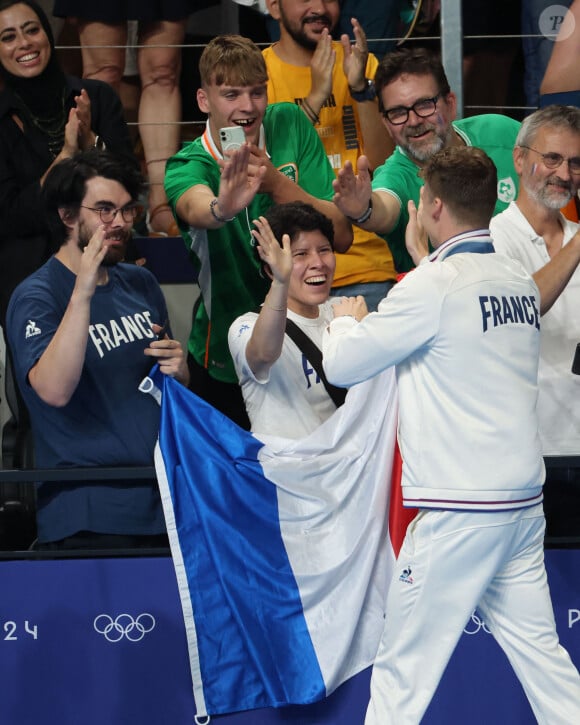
(332, 82)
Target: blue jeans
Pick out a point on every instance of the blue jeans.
(373, 292)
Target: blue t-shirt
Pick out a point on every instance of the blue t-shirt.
(107, 422)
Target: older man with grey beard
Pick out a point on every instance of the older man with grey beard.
(534, 231)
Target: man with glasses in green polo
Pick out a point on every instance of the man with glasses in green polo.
(418, 110)
(535, 232)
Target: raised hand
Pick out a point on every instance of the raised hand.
(71, 135)
(239, 183)
(83, 111)
(416, 239)
(355, 56)
(321, 66)
(278, 258)
(352, 192)
(90, 264)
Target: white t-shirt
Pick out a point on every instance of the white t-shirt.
(291, 401)
(559, 388)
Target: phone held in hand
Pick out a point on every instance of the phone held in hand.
(163, 331)
(231, 138)
(576, 361)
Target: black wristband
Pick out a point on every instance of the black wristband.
(310, 112)
(368, 93)
(363, 217)
(213, 205)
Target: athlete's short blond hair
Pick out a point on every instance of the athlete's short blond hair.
(233, 60)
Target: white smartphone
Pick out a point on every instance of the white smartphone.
(232, 137)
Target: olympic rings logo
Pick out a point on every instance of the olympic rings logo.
(475, 624)
(124, 625)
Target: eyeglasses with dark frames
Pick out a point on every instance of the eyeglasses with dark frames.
(553, 160)
(108, 213)
(423, 108)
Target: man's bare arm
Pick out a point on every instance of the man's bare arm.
(239, 184)
(553, 277)
(56, 374)
(376, 141)
(321, 67)
(282, 189)
(267, 339)
(353, 196)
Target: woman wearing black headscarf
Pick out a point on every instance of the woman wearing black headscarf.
(45, 116)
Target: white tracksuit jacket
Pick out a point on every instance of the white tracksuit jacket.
(463, 332)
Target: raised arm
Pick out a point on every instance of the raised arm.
(267, 338)
(56, 375)
(71, 141)
(107, 119)
(239, 183)
(354, 197)
(86, 137)
(416, 239)
(321, 67)
(553, 277)
(282, 189)
(376, 141)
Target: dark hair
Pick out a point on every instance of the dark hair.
(465, 179)
(44, 21)
(53, 66)
(414, 61)
(295, 217)
(65, 185)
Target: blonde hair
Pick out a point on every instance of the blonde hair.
(233, 60)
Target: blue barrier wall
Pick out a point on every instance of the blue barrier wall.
(102, 642)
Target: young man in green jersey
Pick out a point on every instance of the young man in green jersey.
(216, 196)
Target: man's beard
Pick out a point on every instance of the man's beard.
(541, 194)
(299, 36)
(424, 151)
(114, 254)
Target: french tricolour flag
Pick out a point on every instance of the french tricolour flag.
(281, 547)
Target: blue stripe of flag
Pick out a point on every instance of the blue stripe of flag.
(244, 595)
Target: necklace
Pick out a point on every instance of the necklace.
(52, 127)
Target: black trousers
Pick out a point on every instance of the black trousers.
(226, 397)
